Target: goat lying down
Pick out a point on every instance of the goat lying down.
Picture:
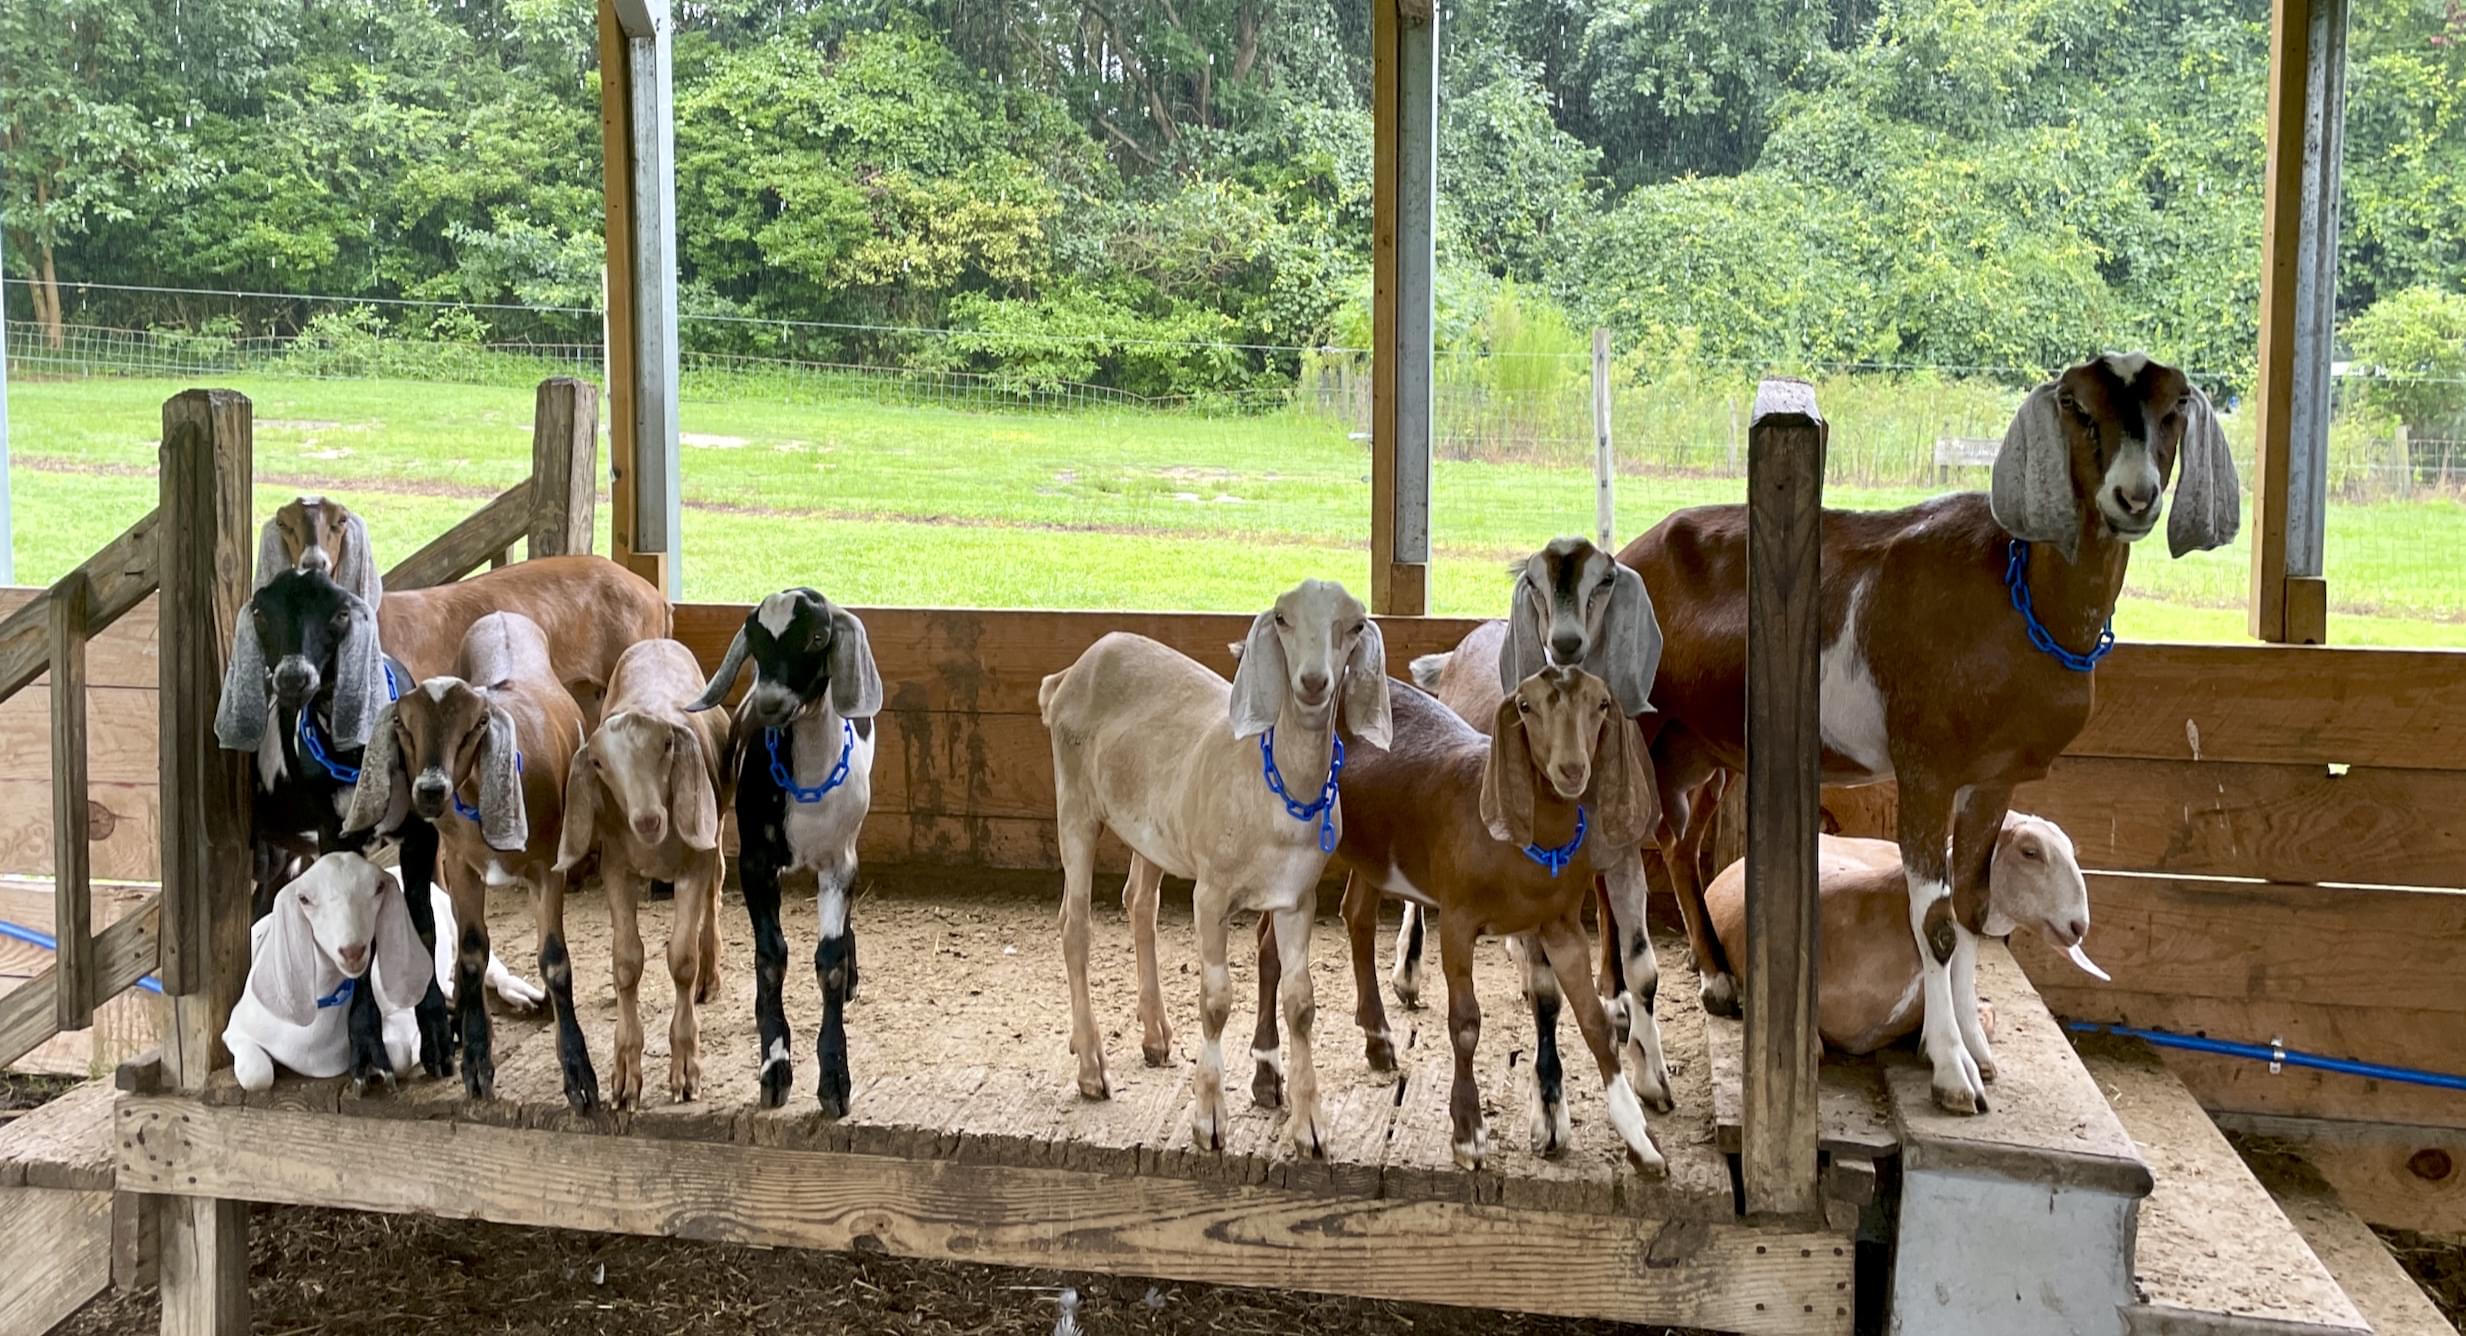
(1232, 785)
(1958, 639)
(1869, 981)
(338, 928)
(1501, 834)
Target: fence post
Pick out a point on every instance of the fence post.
(564, 466)
(204, 553)
(72, 887)
(1785, 494)
(1602, 471)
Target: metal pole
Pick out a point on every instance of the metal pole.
(2316, 281)
(655, 463)
(8, 558)
(1601, 436)
(1417, 262)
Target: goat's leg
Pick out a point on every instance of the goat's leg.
(1546, 1095)
(1361, 930)
(1977, 824)
(364, 1024)
(1563, 943)
(834, 965)
(1267, 1082)
(1140, 894)
(690, 970)
(1471, 1139)
(706, 955)
(758, 870)
(1307, 1126)
(1207, 1115)
(1406, 979)
(556, 969)
(1622, 922)
(624, 891)
(1682, 851)
(470, 900)
(417, 859)
(1077, 840)
(1924, 828)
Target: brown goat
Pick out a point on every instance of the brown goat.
(503, 731)
(1930, 675)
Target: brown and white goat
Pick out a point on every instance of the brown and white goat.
(502, 730)
(1500, 834)
(1931, 675)
(647, 790)
(1869, 979)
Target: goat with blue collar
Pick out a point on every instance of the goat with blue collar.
(803, 743)
(337, 932)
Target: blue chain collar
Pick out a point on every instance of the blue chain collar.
(1557, 859)
(341, 994)
(781, 776)
(2016, 579)
(1325, 808)
(470, 813)
(312, 738)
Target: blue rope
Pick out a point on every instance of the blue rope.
(470, 813)
(312, 739)
(2016, 580)
(1557, 859)
(341, 994)
(786, 780)
(2276, 1054)
(1325, 808)
(45, 940)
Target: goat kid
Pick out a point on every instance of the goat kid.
(1959, 637)
(804, 741)
(1157, 748)
(646, 789)
(504, 730)
(337, 930)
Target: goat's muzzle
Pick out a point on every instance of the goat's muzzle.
(648, 825)
(1566, 650)
(295, 679)
(1311, 689)
(1569, 780)
(354, 958)
(429, 793)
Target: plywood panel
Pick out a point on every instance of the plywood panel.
(120, 736)
(123, 828)
(120, 657)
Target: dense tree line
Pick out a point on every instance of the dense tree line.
(1954, 183)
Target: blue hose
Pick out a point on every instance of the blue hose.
(45, 940)
(2266, 1053)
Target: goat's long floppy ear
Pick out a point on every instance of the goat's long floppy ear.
(724, 680)
(272, 559)
(283, 975)
(582, 799)
(1629, 655)
(1258, 679)
(1367, 710)
(239, 717)
(359, 677)
(2208, 497)
(1519, 655)
(1507, 777)
(856, 685)
(503, 822)
(357, 571)
(2031, 490)
(372, 799)
(402, 968)
(693, 799)
(1626, 806)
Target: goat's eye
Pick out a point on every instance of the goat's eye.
(1281, 622)
(2029, 853)
(1523, 706)
(1357, 629)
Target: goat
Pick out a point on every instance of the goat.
(647, 788)
(1869, 979)
(1451, 819)
(503, 725)
(338, 929)
(814, 695)
(1154, 746)
(1949, 662)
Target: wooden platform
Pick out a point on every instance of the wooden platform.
(2380, 1289)
(967, 1138)
(56, 1207)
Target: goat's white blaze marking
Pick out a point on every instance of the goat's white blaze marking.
(1939, 1033)
(498, 876)
(1853, 708)
(1964, 971)
(2127, 365)
(832, 905)
(270, 762)
(776, 612)
(777, 1055)
(436, 687)
(1627, 1119)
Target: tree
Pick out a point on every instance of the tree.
(2413, 344)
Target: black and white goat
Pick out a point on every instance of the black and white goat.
(804, 737)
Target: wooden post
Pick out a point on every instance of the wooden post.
(205, 548)
(1404, 72)
(72, 859)
(1785, 495)
(638, 147)
(616, 137)
(1602, 470)
(564, 466)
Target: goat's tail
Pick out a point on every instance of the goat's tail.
(1427, 668)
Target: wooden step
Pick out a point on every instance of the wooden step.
(2380, 1289)
(2214, 1255)
(64, 1144)
(56, 1207)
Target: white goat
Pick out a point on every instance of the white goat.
(1155, 747)
(339, 926)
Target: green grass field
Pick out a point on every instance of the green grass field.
(897, 504)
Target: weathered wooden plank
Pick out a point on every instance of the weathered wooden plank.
(121, 736)
(2388, 1173)
(2381, 1291)
(1855, 1116)
(123, 953)
(564, 466)
(122, 821)
(467, 546)
(59, 1249)
(121, 655)
(65, 1144)
(74, 990)
(2405, 709)
(1696, 1273)
(1785, 498)
(117, 577)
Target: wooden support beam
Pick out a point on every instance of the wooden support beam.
(638, 146)
(72, 859)
(117, 579)
(207, 463)
(1404, 73)
(59, 1248)
(467, 546)
(564, 466)
(616, 196)
(1785, 496)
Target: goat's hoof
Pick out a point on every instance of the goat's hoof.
(1207, 1133)
(1551, 1131)
(583, 1097)
(1648, 1161)
(1719, 995)
(1307, 1131)
(835, 1091)
(479, 1078)
(1408, 991)
(1093, 1085)
(1380, 1051)
(1157, 1051)
(1267, 1086)
(1471, 1150)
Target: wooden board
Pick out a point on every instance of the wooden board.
(1855, 1115)
(2379, 1288)
(122, 656)
(2390, 1174)
(120, 737)
(59, 1249)
(123, 828)
(2404, 709)
(1638, 1270)
(66, 1143)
